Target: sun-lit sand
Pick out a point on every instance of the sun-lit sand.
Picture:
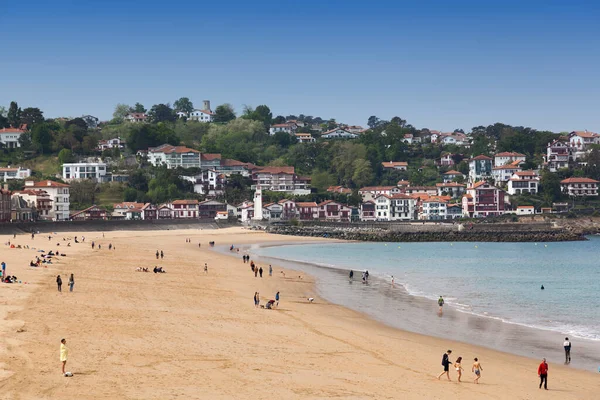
(188, 335)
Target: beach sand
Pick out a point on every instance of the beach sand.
(188, 335)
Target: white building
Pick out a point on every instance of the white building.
(398, 207)
(339, 133)
(433, 210)
(288, 127)
(94, 171)
(523, 182)
(579, 187)
(503, 173)
(280, 179)
(59, 194)
(508, 157)
(136, 117)
(201, 115)
(480, 168)
(453, 189)
(127, 210)
(371, 192)
(208, 182)
(305, 138)
(14, 173)
(395, 165)
(581, 140)
(9, 137)
(174, 156)
(115, 143)
(525, 210)
(557, 156)
(273, 211)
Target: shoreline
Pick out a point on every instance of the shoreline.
(142, 335)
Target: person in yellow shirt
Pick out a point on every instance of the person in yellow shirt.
(64, 352)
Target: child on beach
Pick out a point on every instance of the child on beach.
(71, 283)
(64, 352)
(458, 367)
(477, 368)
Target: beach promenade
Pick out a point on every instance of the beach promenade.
(190, 335)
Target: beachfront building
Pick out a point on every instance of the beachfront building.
(174, 156)
(452, 189)
(5, 204)
(58, 193)
(187, 209)
(307, 211)
(9, 137)
(93, 213)
(339, 133)
(149, 211)
(579, 187)
(95, 171)
(280, 179)
(503, 173)
(395, 165)
(14, 173)
(454, 211)
(120, 210)
(480, 168)
(508, 157)
(273, 212)
(288, 209)
(20, 210)
(208, 209)
(557, 156)
(451, 175)
(525, 210)
(370, 192)
(482, 200)
(523, 182)
(39, 201)
(164, 211)
(433, 210)
(398, 207)
(330, 210)
(367, 211)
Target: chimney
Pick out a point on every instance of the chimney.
(206, 105)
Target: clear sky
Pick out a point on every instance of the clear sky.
(436, 63)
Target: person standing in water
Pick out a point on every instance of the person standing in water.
(476, 369)
(71, 283)
(351, 275)
(270, 270)
(64, 353)
(567, 347)
(441, 303)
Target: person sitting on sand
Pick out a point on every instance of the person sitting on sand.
(477, 368)
(458, 367)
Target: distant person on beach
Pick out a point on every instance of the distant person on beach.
(71, 283)
(256, 271)
(3, 268)
(256, 299)
(542, 288)
(162, 255)
(64, 353)
(270, 270)
(441, 303)
(59, 283)
(392, 280)
(567, 346)
(458, 367)
(260, 271)
(277, 298)
(351, 275)
(93, 244)
(205, 268)
(543, 374)
(157, 254)
(476, 369)
(110, 246)
(367, 274)
(446, 364)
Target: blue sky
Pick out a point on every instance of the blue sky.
(438, 64)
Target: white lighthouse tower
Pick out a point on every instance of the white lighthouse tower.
(258, 207)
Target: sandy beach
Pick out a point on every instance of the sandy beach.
(190, 335)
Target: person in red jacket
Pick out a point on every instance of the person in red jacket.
(543, 374)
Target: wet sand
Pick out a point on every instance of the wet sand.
(184, 334)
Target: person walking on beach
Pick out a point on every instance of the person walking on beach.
(543, 374)
(162, 255)
(110, 246)
(256, 299)
(64, 353)
(270, 270)
(3, 269)
(260, 271)
(256, 271)
(567, 346)
(205, 268)
(351, 275)
(277, 299)
(93, 245)
(446, 364)
(458, 367)
(441, 303)
(59, 283)
(476, 369)
(71, 283)
(157, 254)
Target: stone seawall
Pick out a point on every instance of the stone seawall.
(479, 235)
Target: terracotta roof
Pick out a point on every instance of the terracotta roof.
(452, 172)
(189, 202)
(48, 183)
(481, 157)
(578, 180)
(468, 196)
(400, 196)
(288, 125)
(450, 184)
(167, 149)
(228, 162)
(392, 164)
(585, 134)
(9, 169)
(210, 156)
(376, 188)
(337, 129)
(306, 204)
(12, 130)
(274, 170)
(477, 184)
(454, 205)
(526, 173)
(524, 207)
(405, 183)
(432, 200)
(146, 206)
(507, 166)
(128, 204)
(509, 154)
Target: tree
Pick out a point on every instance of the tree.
(224, 113)
(138, 108)
(184, 105)
(280, 119)
(262, 113)
(550, 186)
(142, 136)
(83, 192)
(65, 156)
(41, 137)
(398, 121)
(121, 111)
(373, 121)
(31, 116)
(161, 113)
(363, 173)
(321, 180)
(14, 115)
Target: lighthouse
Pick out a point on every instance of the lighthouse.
(258, 208)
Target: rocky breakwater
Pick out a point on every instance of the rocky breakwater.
(487, 234)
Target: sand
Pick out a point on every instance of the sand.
(188, 335)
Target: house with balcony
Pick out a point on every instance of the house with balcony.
(208, 208)
(523, 182)
(557, 156)
(94, 171)
(330, 210)
(395, 165)
(367, 211)
(398, 207)
(582, 140)
(452, 189)
(503, 173)
(454, 211)
(20, 211)
(58, 193)
(280, 179)
(9, 137)
(370, 192)
(305, 138)
(149, 211)
(288, 128)
(433, 210)
(187, 209)
(39, 201)
(579, 187)
(480, 168)
(273, 212)
(339, 133)
(93, 213)
(482, 200)
(446, 160)
(451, 175)
(208, 182)
(307, 211)
(120, 210)
(508, 157)
(136, 117)
(288, 209)
(164, 211)
(201, 115)
(115, 143)
(174, 156)
(14, 173)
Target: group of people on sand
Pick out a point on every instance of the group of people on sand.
(6, 278)
(160, 255)
(476, 368)
(269, 305)
(71, 283)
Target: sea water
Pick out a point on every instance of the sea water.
(500, 283)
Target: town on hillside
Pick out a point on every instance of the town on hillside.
(182, 162)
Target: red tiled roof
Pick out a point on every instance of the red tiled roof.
(392, 164)
(481, 157)
(228, 162)
(452, 172)
(477, 184)
(274, 170)
(376, 188)
(585, 134)
(400, 196)
(189, 202)
(48, 183)
(167, 148)
(306, 204)
(450, 184)
(509, 154)
(128, 204)
(210, 156)
(404, 183)
(12, 130)
(525, 207)
(526, 173)
(507, 166)
(578, 180)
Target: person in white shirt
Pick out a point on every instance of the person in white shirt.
(567, 346)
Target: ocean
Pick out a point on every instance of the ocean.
(492, 290)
